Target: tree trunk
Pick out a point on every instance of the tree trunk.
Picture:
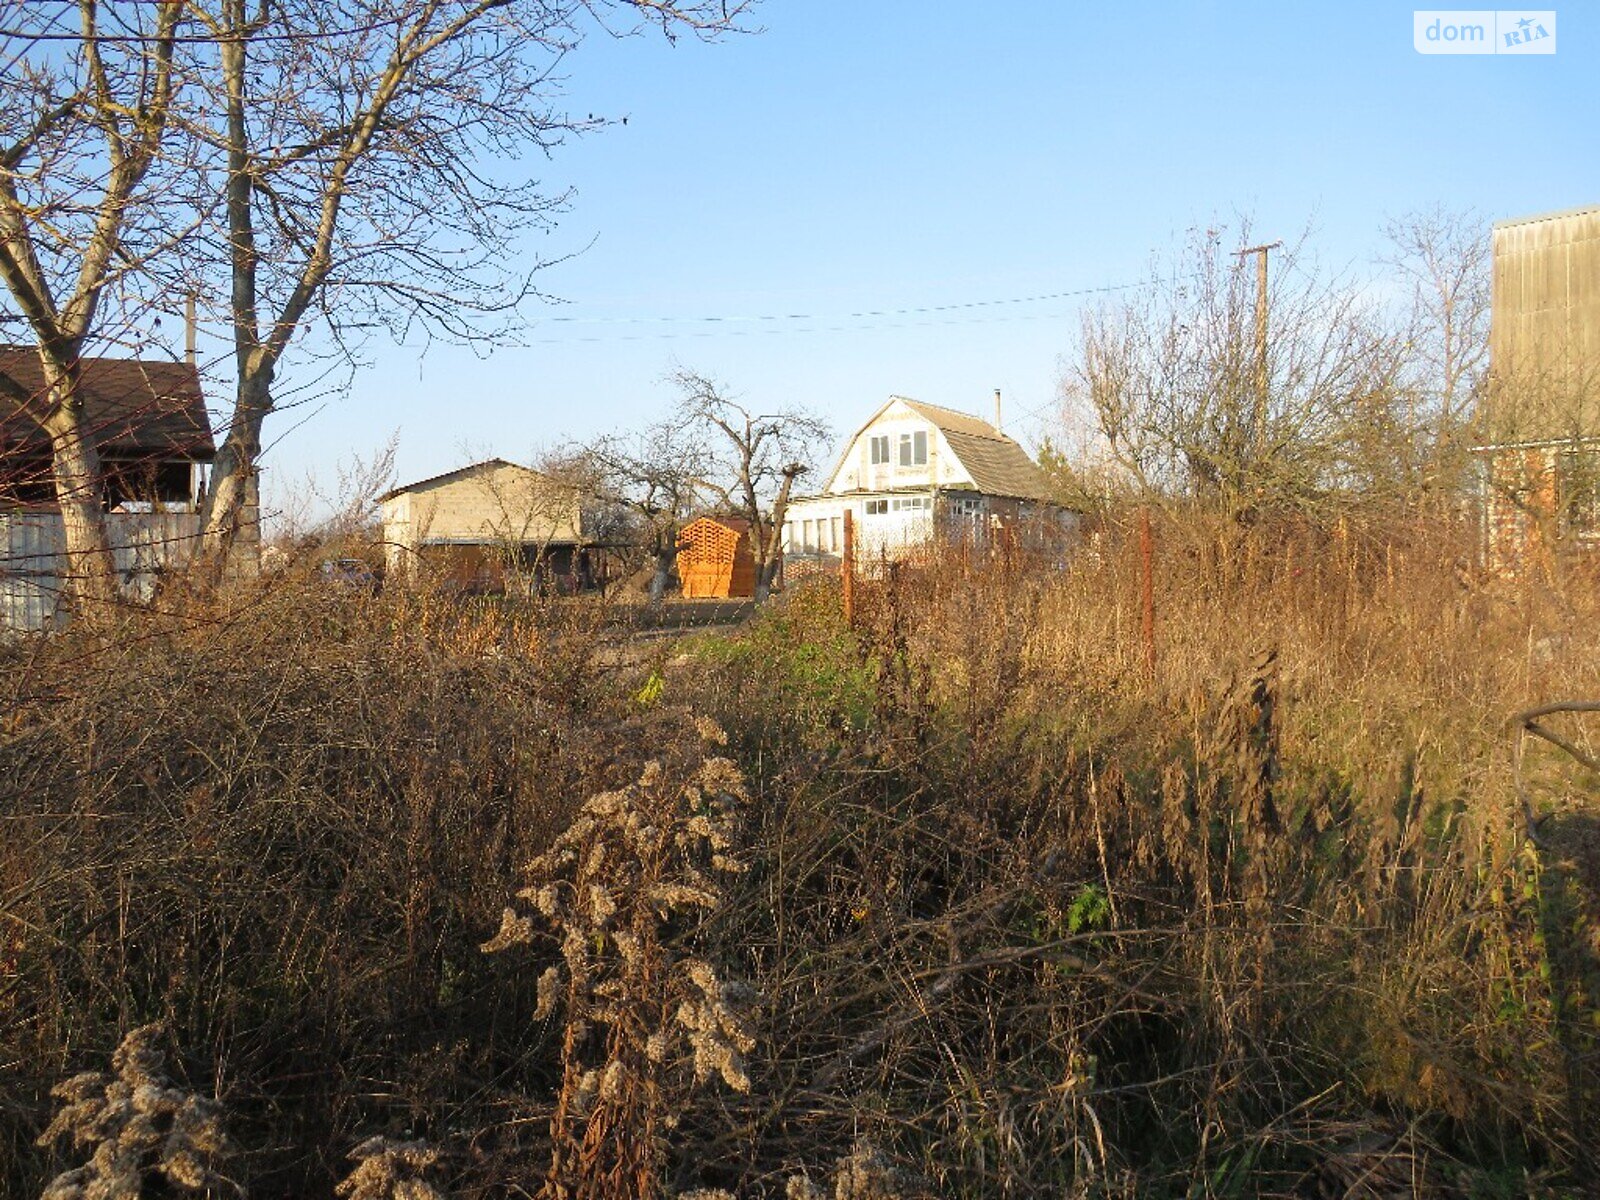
(665, 555)
(769, 554)
(230, 526)
(79, 494)
(235, 486)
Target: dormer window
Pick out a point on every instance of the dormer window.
(914, 449)
(880, 449)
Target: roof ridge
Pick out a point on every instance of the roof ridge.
(990, 431)
(462, 470)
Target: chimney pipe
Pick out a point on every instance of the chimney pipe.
(997, 428)
(188, 329)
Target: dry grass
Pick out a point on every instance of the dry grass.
(1022, 917)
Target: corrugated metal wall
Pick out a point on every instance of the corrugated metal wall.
(33, 583)
(1545, 337)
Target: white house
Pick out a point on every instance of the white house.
(916, 471)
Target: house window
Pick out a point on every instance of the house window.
(912, 503)
(966, 506)
(788, 535)
(807, 534)
(880, 449)
(877, 508)
(838, 533)
(914, 449)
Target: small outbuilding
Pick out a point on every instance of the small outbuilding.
(484, 527)
(715, 558)
(149, 426)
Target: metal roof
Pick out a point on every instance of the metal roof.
(1559, 215)
(133, 408)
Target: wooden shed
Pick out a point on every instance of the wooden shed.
(715, 558)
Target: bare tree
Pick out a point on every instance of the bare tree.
(757, 457)
(85, 116)
(363, 145)
(1445, 258)
(351, 508)
(1170, 376)
(531, 511)
(654, 478)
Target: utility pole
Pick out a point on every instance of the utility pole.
(1261, 343)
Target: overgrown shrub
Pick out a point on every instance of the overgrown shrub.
(1026, 916)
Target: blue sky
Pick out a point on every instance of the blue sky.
(878, 156)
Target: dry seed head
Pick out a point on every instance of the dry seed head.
(651, 774)
(706, 1194)
(515, 930)
(588, 1088)
(611, 1082)
(710, 731)
(139, 1060)
(142, 1128)
(627, 946)
(671, 896)
(544, 897)
(721, 776)
(714, 1056)
(607, 804)
(702, 826)
(800, 1187)
(390, 1170)
(575, 949)
(865, 1175)
(601, 906)
(185, 1170)
(656, 1046)
(548, 991)
(692, 1016)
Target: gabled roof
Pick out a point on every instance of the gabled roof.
(459, 472)
(133, 408)
(998, 465)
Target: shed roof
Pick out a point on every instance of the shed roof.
(1558, 215)
(741, 524)
(447, 476)
(134, 408)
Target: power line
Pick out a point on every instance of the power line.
(687, 335)
(771, 323)
(920, 310)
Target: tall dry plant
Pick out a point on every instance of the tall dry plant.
(390, 1170)
(140, 1130)
(645, 1018)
